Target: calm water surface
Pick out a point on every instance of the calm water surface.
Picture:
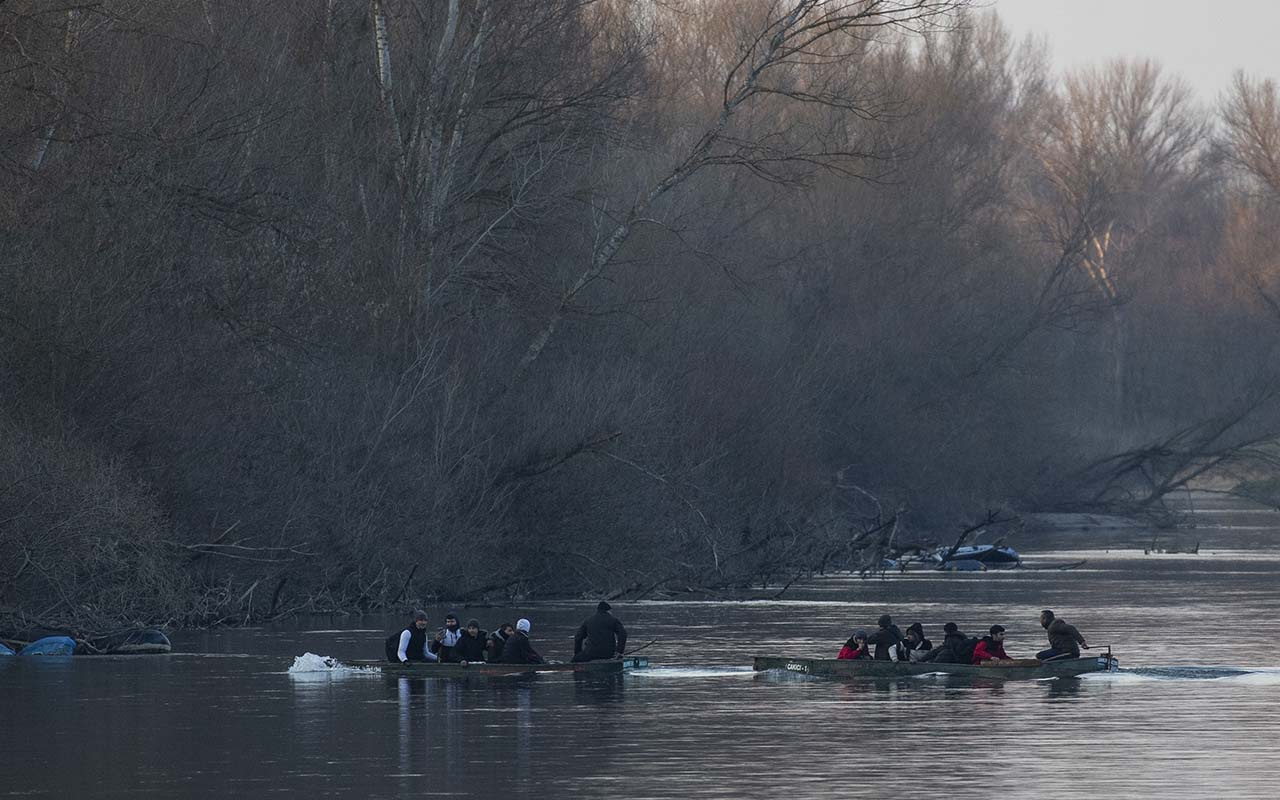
(1195, 712)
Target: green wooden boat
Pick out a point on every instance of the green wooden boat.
(1024, 668)
(431, 669)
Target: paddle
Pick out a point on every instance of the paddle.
(641, 647)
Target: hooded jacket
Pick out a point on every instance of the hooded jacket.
(605, 637)
(883, 639)
(470, 648)
(1064, 637)
(518, 650)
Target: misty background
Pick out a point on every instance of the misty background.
(334, 305)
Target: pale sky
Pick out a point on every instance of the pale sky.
(1204, 41)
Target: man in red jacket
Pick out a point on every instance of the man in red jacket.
(991, 647)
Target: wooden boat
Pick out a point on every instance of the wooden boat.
(431, 669)
(1023, 668)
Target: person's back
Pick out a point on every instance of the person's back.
(604, 636)
(886, 639)
(518, 649)
(951, 651)
(1065, 640)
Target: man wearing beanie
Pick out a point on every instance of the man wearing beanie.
(605, 637)
(410, 644)
(518, 649)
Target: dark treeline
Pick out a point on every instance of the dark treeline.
(338, 304)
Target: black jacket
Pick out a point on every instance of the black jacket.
(950, 651)
(518, 650)
(883, 639)
(470, 648)
(494, 646)
(604, 634)
(1064, 637)
(417, 643)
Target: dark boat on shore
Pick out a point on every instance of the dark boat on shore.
(1017, 669)
(431, 669)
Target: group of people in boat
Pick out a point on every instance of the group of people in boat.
(889, 643)
(600, 636)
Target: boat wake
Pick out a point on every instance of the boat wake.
(310, 666)
(1233, 675)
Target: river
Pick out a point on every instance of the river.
(1194, 712)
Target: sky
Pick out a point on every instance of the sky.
(1204, 41)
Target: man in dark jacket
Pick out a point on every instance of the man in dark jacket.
(951, 651)
(447, 639)
(1064, 640)
(518, 650)
(497, 639)
(605, 637)
(471, 647)
(886, 638)
(915, 645)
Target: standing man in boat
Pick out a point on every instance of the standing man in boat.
(604, 634)
(991, 647)
(411, 643)
(1064, 640)
(886, 639)
(518, 650)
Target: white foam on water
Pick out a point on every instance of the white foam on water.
(1231, 675)
(311, 665)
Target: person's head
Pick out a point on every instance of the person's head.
(451, 621)
(997, 633)
(603, 606)
(473, 627)
(522, 625)
(858, 639)
(914, 636)
(884, 621)
(507, 628)
(950, 627)
(1046, 618)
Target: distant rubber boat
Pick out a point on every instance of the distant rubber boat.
(6, 651)
(430, 669)
(50, 646)
(1017, 669)
(987, 554)
(139, 641)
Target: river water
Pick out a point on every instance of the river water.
(1195, 711)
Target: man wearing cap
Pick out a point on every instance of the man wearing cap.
(411, 643)
(605, 637)
(991, 648)
(517, 649)
(471, 647)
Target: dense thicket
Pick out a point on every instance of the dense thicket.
(324, 304)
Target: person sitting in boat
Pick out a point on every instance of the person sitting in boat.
(886, 639)
(952, 649)
(604, 635)
(1064, 640)
(497, 639)
(855, 648)
(471, 645)
(411, 643)
(447, 639)
(915, 645)
(991, 647)
(517, 649)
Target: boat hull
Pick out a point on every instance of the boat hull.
(428, 669)
(1018, 669)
